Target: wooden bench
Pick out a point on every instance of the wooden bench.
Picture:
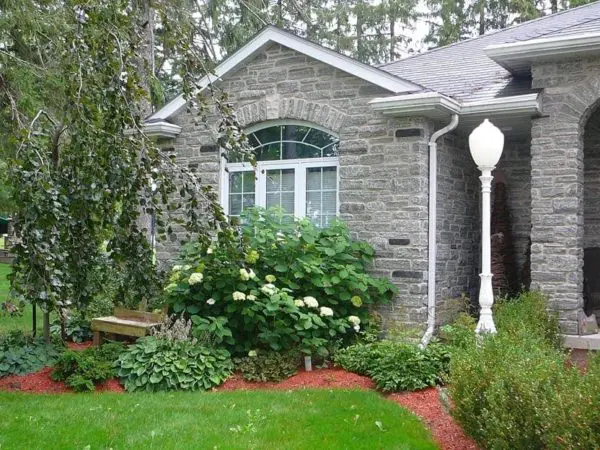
(126, 322)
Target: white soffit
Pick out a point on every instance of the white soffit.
(437, 106)
(271, 35)
(162, 129)
(517, 57)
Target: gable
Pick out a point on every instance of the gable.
(270, 36)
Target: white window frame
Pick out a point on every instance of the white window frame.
(260, 172)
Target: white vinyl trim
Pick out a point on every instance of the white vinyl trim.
(517, 56)
(270, 35)
(434, 104)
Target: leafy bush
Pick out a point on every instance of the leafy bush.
(78, 328)
(21, 354)
(277, 286)
(515, 389)
(83, 370)
(396, 366)
(268, 366)
(155, 364)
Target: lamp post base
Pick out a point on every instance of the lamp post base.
(486, 300)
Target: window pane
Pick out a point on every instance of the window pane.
(321, 195)
(241, 191)
(320, 138)
(271, 152)
(280, 189)
(295, 132)
(331, 150)
(268, 135)
(297, 150)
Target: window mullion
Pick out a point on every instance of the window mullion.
(300, 187)
(261, 186)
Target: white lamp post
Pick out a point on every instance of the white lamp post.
(486, 143)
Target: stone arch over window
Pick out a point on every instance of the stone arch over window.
(276, 108)
(296, 170)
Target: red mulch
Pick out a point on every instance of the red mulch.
(79, 345)
(426, 404)
(320, 378)
(40, 382)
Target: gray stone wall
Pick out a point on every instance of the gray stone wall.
(383, 178)
(516, 167)
(458, 221)
(570, 93)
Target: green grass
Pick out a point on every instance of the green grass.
(8, 323)
(214, 420)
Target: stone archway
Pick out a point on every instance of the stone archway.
(557, 191)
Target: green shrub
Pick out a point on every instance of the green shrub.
(78, 328)
(268, 366)
(21, 354)
(153, 364)
(516, 390)
(277, 286)
(396, 366)
(83, 370)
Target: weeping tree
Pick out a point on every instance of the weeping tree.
(75, 82)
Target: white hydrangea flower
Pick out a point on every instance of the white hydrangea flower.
(299, 303)
(209, 250)
(186, 267)
(244, 275)
(252, 275)
(356, 328)
(210, 301)
(239, 296)
(252, 353)
(324, 311)
(268, 289)
(170, 287)
(354, 320)
(311, 302)
(195, 278)
(176, 268)
(270, 278)
(251, 297)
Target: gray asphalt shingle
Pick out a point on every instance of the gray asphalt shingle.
(463, 71)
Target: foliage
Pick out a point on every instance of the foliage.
(295, 286)
(396, 366)
(515, 389)
(461, 332)
(78, 328)
(85, 176)
(21, 354)
(83, 370)
(173, 328)
(268, 366)
(336, 418)
(154, 364)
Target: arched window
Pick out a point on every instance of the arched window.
(297, 170)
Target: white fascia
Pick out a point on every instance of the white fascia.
(517, 56)
(429, 104)
(162, 129)
(435, 105)
(270, 35)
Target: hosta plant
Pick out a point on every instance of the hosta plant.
(21, 354)
(155, 364)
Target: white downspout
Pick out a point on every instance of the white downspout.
(432, 244)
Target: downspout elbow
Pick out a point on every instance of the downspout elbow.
(432, 249)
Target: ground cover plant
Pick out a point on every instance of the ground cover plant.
(232, 420)
(516, 389)
(268, 366)
(83, 370)
(21, 353)
(396, 366)
(277, 286)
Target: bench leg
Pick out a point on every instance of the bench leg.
(97, 338)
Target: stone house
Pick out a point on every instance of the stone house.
(334, 136)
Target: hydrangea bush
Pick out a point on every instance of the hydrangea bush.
(277, 286)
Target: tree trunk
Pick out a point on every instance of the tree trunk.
(554, 6)
(392, 38)
(481, 17)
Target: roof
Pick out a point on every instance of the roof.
(463, 70)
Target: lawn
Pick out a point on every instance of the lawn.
(8, 323)
(222, 420)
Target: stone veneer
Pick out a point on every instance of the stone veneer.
(383, 178)
(458, 226)
(569, 96)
